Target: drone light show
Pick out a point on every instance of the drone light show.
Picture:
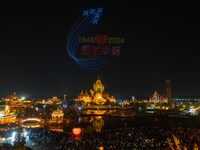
(92, 51)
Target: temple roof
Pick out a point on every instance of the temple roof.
(58, 111)
(98, 81)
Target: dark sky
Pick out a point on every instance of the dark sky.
(161, 42)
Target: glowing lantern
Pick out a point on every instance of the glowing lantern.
(76, 131)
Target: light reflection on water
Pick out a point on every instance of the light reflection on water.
(99, 123)
(91, 124)
(96, 123)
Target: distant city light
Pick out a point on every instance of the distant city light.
(192, 111)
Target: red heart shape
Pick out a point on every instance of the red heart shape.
(101, 39)
(76, 131)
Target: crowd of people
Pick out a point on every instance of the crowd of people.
(142, 138)
(150, 133)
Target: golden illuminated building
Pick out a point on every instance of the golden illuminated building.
(54, 100)
(57, 116)
(50, 101)
(84, 97)
(97, 95)
(16, 102)
(6, 116)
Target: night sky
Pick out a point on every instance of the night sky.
(161, 42)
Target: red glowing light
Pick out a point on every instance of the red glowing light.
(76, 131)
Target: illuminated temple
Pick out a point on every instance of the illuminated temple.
(157, 98)
(57, 116)
(16, 102)
(96, 96)
(6, 116)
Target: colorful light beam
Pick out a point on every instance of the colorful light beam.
(89, 18)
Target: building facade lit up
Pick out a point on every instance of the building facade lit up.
(15, 102)
(6, 116)
(157, 98)
(96, 96)
(57, 116)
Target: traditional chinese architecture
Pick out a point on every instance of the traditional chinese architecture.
(57, 115)
(6, 116)
(50, 101)
(16, 102)
(54, 100)
(157, 98)
(96, 96)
